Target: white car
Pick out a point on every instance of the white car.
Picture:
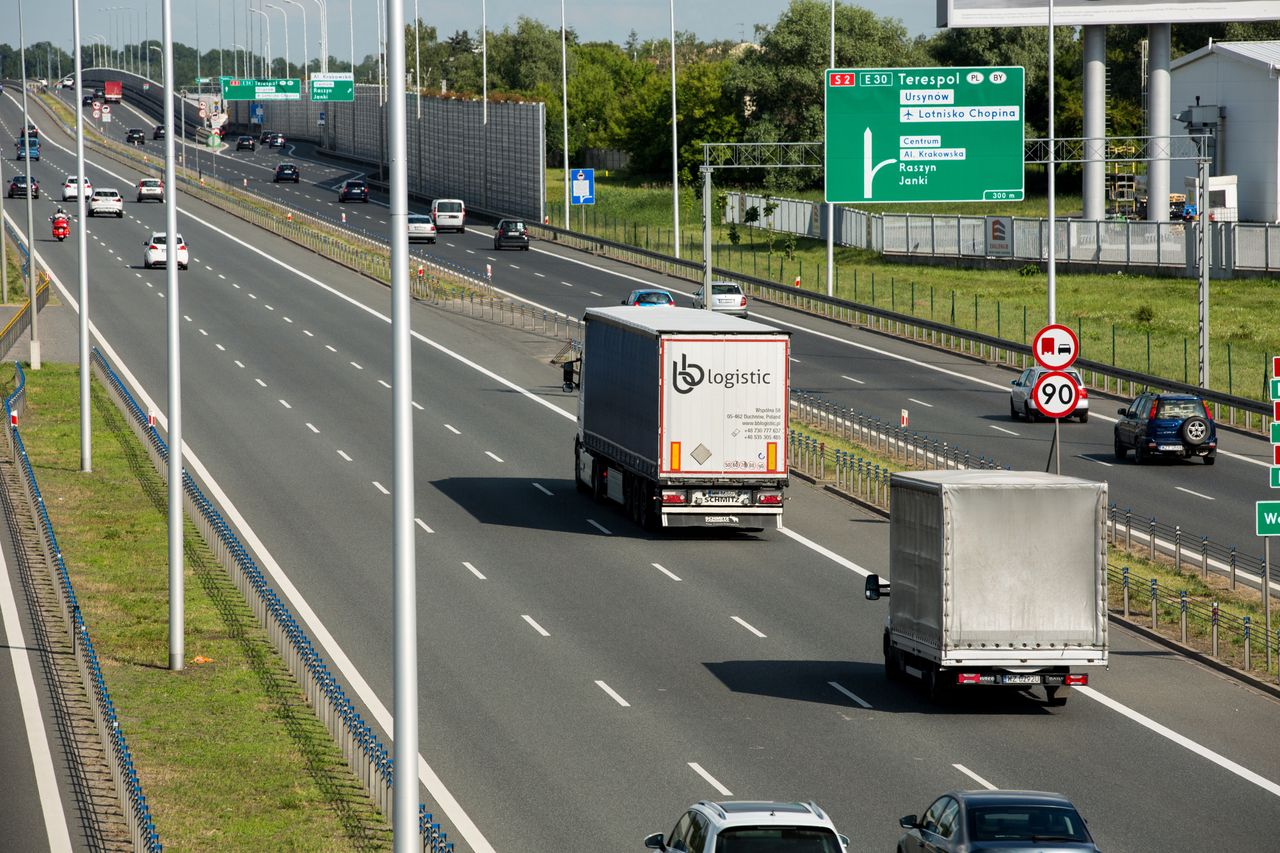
(106, 202)
(71, 187)
(751, 826)
(1022, 406)
(68, 83)
(421, 227)
(157, 255)
(726, 298)
(150, 188)
(449, 214)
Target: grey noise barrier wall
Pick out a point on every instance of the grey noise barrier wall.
(496, 168)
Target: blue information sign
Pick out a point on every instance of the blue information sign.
(582, 186)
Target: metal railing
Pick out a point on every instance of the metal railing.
(128, 788)
(364, 752)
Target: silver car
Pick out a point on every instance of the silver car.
(422, 227)
(726, 297)
(1022, 406)
(151, 188)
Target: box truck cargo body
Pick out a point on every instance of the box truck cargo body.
(999, 578)
(682, 416)
(113, 91)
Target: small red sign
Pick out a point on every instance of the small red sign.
(842, 78)
(1275, 452)
(1275, 411)
(1055, 347)
(1275, 366)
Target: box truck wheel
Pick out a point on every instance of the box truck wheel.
(935, 686)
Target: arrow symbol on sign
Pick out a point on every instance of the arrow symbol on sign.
(868, 172)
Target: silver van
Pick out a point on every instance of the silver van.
(449, 214)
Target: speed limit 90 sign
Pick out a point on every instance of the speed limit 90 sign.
(1056, 394)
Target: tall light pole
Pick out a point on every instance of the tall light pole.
(306, 63)
(98, 49)
(285, 16)
(564, 107)
(404, 810)
(324, 37)
(176, 598)
(484, 62)
(156, 48)
(31, 234)
(82, 253)
(266, 33)
(417, 54)
(831, 209)
(236, 50)
(675, 145)
(351, 32)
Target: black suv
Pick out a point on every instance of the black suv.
(286, 172)
(354, 191)
(158, 133)
(510, 232)
(135, 136)
(1166, 425)
(246, 142)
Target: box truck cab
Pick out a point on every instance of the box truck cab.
(682, 417)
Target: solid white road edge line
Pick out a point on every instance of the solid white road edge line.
(55, 819)
(721, 789)
(974, 776)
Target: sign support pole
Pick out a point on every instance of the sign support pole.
(1266, 594)
(706, 238)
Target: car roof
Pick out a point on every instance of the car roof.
(763, 813)
(996, 798)
(1177, 396)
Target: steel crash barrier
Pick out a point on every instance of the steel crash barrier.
(128, 787)
(364, 752)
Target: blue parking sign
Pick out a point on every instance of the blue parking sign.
(582, 186)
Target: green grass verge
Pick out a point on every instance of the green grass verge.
(1144, 323)
(229, 754)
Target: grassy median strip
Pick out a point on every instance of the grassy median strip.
(230, 755)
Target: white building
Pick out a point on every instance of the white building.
(1235, 85)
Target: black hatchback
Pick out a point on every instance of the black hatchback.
(354, 190)
(511, 232)
(135, 136)
(1166, 425)
(286, 172)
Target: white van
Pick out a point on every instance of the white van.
(449, 214)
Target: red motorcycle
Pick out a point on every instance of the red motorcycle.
(61, 228)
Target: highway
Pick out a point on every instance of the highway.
(949, 398)
(581, 681)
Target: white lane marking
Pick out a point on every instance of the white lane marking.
(921, 402)
(566, 284)
(826, 552)
(220, 347)
(285, 404)
(384, 383)
(220, 275)
(312, 427)
(795, 361)
(593, 293)
(711, 780)
(330, 348)
(203, 332)
(260, 382)
(535, 625)
(1003, 430)
(268, 307)
(513, 266)
(356, 366)
(452, 429)
(418, 406)
(851, 379)
(598, 526)
(495, 457)
(287, 319)
(55, 820)
(1096, 461)
(380, 487)
(974, 776)
(850, 694)
(344, 455)
(474, 570)
(423, 525)
(745, 624)
(236, 286)
(308, 333)
(185, 317)
(239, 363)
(1196, 494)
(542, 488)
(252, 296)
(666, 572)
(540, 274)
(613, 694)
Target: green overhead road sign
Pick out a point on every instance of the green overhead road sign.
(1268, 518)
(1275, 477)
(1275, 390)
(924, 134)
(337, 86)
(252, 89)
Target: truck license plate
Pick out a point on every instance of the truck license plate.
(1022, 679)
(721, 496)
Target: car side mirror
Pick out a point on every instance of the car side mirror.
(876, 588)
(623, 302)
(844, 841)
(655, 842)
(1013, 382)
(909, 822)
(1122, 411)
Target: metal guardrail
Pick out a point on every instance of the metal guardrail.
(128, 787)
(364, 752)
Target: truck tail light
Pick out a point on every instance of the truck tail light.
(968, 678)
(769, 499)
(674, 498)
(1076, 680)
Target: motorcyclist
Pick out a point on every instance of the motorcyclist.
(59, 214)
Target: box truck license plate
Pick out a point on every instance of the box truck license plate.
(1022, 679)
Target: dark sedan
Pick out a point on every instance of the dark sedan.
(511, 232)
(18, 187)
(976, 821)
(135, 136)
(246, 142)
(286, 172)
(158, 133)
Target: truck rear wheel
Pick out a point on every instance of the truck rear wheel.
(935, 686)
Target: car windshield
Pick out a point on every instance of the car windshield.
(1179, 408)
(652, 299)
(1025, 822)
(449, 207)
(777, 839)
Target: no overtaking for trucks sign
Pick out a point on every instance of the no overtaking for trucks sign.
(924, 134)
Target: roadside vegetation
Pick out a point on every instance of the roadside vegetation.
(228, 751)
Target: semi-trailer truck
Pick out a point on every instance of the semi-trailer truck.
(682, 416)
(113, 91)
(999, 579)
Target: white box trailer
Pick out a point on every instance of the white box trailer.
(999, 578)
(682, 416)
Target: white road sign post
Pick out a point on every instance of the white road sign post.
(1056, 394)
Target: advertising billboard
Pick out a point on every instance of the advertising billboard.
(1035, 13)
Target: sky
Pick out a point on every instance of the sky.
(594, 20)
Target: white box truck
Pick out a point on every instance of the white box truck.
(999, 579)
(682, 416)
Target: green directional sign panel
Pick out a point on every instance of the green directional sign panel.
(924, 134)
(255, 89)
(1275, 477)
(1275, 390)
(333, 87)
(1268, 518)
(1275, 432)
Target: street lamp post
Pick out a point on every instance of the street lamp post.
(324, 38)
(831, 210)
(284, 15)
(417, 55)
(266, 33)
(31, 234)
(82, 252)
(564, 107)
(236, 50)
(156, 48)
(675, 148)
(306, 63)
